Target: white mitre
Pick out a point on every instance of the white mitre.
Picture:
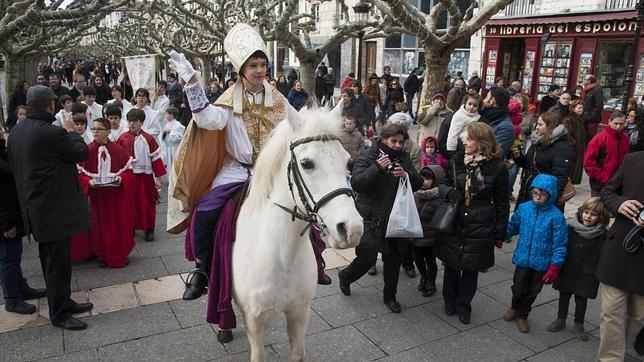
(240, 43)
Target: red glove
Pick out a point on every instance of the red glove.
(498, 243)
(552, 274)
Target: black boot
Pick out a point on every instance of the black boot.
(430, 290)
(196, 283)
(224, 336)
(422, 284)
(149, 235)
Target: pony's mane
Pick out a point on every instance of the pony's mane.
(271, 159)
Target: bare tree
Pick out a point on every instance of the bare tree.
(438, 43)
(31, 28)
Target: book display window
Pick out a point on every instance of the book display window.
(555, 66)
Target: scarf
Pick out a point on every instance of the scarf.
(559, 131)
(474, 181)
(586, 232)
(142, 162)
(633, 133)
(393, 154)
(587, 89)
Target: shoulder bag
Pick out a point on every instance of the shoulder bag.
(446, 213)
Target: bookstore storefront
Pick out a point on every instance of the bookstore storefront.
(542, 51)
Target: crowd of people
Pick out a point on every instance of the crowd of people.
(99, 152)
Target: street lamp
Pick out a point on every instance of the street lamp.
(361, 9)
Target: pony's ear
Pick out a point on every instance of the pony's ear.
(293, 118)
(336, 114)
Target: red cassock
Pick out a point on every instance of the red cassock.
(111, 238)
(146, 165)
(81, 242)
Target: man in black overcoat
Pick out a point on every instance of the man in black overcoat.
(621, 264)
(43, 159)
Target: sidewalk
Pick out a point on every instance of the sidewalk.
(139, 315)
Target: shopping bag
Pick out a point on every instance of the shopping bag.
(404, 221)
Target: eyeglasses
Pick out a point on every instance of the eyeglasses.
(539, 194)
(98, 129)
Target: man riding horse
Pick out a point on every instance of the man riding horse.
(214, 163)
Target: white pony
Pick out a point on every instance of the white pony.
(273, 264)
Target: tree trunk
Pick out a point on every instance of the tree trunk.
(307, 76)
(436, 61)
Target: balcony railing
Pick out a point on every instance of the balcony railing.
(620, 4)
(520, 8)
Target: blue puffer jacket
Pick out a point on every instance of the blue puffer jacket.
(543, 234)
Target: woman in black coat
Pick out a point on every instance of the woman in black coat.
(375, 178)
(394, 95)
(320, 86)
(481, 191)
(551, 154)
(18, 98)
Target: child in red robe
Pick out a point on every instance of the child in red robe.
(109, 177)
(147, 166)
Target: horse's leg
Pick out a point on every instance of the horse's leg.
(255, 332)
(297, 321)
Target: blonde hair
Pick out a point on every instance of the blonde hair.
(594, 204)
(484, 135)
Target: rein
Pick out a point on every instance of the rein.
(295, 180)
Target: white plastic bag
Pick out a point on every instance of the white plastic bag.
(404, 221)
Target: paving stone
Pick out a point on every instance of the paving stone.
(162, 245)
(348, 345)
(159, 290)
(271, 356)
(113, 298)
(347, 254)
(138, 269)
(13, 321)
(333, 260)
(275, 332)
(505, 262)
(484, 310)
(413, 327)
(331, 289)
(571, 351)
(30, 344)
(190, 344)
(177, 263)
(339, 310)
(84, 355)
(408, 294)
(410, 355)
(538, 339)
(190, 312)
(123, 325)
(480, 344)
(494, 275)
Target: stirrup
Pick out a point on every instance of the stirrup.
(191, 275)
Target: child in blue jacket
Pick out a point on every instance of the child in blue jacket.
(541, 248)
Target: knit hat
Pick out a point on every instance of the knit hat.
(439, 94)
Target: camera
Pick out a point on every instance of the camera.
(641, 216)
(392, 165)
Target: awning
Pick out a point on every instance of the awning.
(562, 19)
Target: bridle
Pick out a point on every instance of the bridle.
(311, 207)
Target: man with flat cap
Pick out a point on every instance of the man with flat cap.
(43, 159)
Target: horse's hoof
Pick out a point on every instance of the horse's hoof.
(225, 336)
(325, 280)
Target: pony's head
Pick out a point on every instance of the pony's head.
(322, 164)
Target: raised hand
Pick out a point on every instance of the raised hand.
(182, 66)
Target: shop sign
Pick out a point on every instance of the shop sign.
(600, 27)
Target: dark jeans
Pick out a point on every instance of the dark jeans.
(526, 286)
(366, 257)
(459, 287)
(13, 283)
(408, 259)
(580, 307)
(55, 260)
(204, 232)
(426, 262)
(409, 97)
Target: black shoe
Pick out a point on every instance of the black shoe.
(431, 289)
(483, 270)
(20, 308)
(464, 318)
(79, 308)
(394, 306)
(373, 270)
(345, 286)
(149, 235)
(325, 280)
(411, 272)
(422, 285)
(450, 309)
(196, 285)
(33, 293)
(224, 336)
(71, 324)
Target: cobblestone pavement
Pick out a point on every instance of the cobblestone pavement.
(139, 315)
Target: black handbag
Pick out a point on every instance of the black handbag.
(446, 213)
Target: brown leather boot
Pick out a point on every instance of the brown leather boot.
(510, 315)
(523, 326)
